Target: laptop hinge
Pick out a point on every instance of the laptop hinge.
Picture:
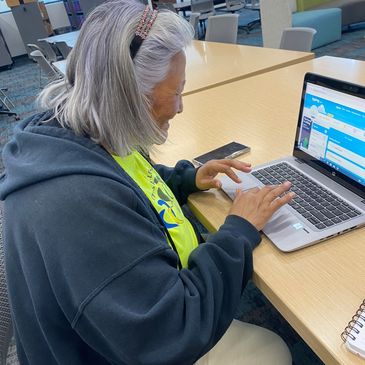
(299, 160)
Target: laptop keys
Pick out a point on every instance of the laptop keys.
(312, 201)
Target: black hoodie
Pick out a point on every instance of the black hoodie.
(92, 279)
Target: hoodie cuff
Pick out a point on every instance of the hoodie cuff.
(189, 178)
(239, 226)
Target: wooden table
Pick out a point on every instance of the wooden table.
(317, 289)
(210, 64)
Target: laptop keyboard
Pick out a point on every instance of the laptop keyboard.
(315, 203)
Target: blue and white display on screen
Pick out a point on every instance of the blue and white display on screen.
(333, 130)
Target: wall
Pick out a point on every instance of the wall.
(58, 18)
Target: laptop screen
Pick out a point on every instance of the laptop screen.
(332, 130)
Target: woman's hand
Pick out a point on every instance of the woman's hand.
(258, 205)
(205, 176)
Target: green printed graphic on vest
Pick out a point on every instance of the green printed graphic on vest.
(170, 213)
(163, 200)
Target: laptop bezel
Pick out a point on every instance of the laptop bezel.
(335, 175)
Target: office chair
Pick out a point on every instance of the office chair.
(44, 66)
(50, 55)
(87, 6)
(165, 5)
(234, 5)
(204, 7)
(63, 48)
(6, 329)
(297, 39)
(48, 50)
(194, 21)
(33, 47)
(222, 28)
(6, 104)
(253, 5)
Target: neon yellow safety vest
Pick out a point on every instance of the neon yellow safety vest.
(163, 200)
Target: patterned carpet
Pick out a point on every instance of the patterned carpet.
(23, 85)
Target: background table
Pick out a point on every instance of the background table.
(317, 289)
(69, 38)
(60, 66)
(211, 64)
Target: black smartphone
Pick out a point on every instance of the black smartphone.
(229, 150)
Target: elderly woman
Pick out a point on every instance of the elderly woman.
(102, 265)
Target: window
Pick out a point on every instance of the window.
(4, 7)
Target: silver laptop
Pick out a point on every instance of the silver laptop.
(327, 169)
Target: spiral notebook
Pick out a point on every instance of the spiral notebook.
(354, 333)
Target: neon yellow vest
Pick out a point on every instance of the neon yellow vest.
(163, 200)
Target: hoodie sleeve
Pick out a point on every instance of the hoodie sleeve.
(155, 314)
(115, 277)
(180, 179)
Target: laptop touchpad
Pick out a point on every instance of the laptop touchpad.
(230, 187)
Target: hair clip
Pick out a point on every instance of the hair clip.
(144, 26)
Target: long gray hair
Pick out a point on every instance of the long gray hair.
(105, 93)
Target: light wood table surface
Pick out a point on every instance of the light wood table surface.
(317, 289)
(210, 64)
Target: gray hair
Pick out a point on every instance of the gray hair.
(105, 93)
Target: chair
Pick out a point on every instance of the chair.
(253, 5)
(6, 104)
(297, 39)
(165, 5)
(276, 15)
(204, 7)
(33, 47)
(44, 66)
(63, 48)
(234, 5)
(87, 6)
(222, 28)
(6, 329)
(47, 50)
(194, 21)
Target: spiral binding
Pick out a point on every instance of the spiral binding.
(351, 331)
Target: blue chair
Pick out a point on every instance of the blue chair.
(327, 23)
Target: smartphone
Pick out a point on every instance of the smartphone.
(229, 150)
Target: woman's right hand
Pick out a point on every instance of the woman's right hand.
(258, 205)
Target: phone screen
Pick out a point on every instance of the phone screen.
(229, 150)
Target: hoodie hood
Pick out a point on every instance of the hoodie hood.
(42, 150)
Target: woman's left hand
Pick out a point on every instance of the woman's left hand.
(205, 176)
